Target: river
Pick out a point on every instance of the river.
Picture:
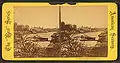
(45, 35)
(91, 34)
(48, 35)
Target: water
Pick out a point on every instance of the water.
(48, 35)
(91, 34)
(42, 44)
(45, 35)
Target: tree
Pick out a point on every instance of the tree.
(62, 43)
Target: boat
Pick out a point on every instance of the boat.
(87, 38)
(37, 38)
(84, 37)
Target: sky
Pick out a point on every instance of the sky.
(48, 16)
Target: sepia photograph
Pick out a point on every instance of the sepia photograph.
(60, 31)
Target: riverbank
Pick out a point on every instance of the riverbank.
(48, 35)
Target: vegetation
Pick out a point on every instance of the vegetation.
(24, 47)
(67, 46)
(62, 44)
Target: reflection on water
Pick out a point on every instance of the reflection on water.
(91, 43)
(42, 44)
(45, 35)
(48, 35)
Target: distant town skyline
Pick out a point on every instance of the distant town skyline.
(48, 17)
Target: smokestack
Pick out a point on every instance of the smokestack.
(60, 17)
